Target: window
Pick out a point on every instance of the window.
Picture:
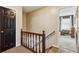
(66, 22)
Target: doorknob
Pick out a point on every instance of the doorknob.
(2, 31)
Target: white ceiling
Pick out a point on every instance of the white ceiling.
(30, 8)
(68, 10)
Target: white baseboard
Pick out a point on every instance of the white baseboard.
(55, 46)
(18, 45)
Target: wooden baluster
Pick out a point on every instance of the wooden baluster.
(43, 42)
(39, 44)
(36, 42)
(26, 39)
(30, 41)
(33, 42)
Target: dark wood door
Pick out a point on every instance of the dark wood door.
(7, 31)
(1, 28)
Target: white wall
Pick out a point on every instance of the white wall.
(78, 30)
(24, 21)
(45, 19)
(65, 40)
(18, 10)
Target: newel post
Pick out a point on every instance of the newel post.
(43, 42)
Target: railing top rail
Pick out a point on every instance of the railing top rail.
(32, 33)
(50, 34)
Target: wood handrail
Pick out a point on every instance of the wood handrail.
(50, 34)
(32, 33)
(45, 37)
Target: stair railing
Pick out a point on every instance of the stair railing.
(29, 39)
(52, 33)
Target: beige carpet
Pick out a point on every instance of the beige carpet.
(19, 49)
(22, 49)
(52, 50)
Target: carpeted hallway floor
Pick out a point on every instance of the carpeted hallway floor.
(19, 49)
(22, 49)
